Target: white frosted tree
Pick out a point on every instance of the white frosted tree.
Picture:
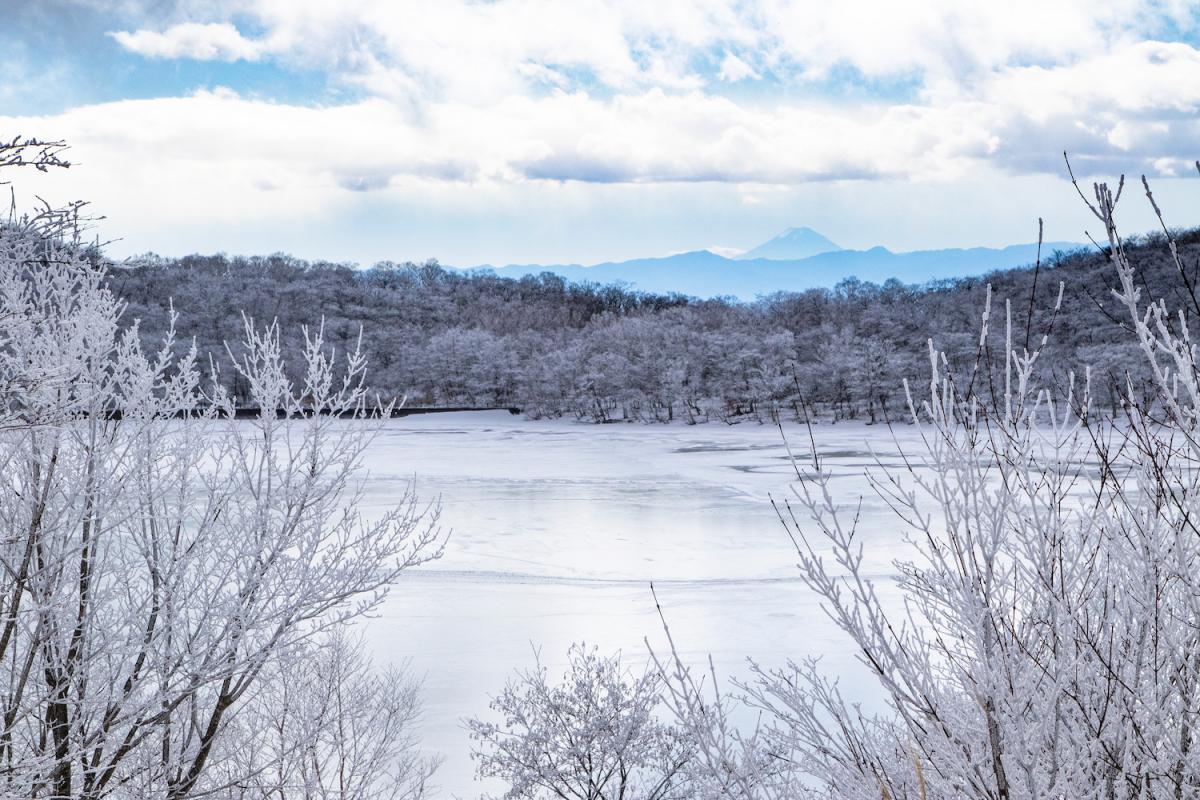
(596, 735)
(157, 555)
(325, 724)
(1048, 643)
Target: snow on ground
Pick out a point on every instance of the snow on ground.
(559, 528)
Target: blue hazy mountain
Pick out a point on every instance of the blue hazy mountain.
(791, 245)
(702, 273)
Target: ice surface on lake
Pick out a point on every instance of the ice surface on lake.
(559, 528)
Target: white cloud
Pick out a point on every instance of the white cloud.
(1147, 77)
(214, 41)
(985, 79)
(220, 144)
(613, 91)
(465, 50)
(734, 69)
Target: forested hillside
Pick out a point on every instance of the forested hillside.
(445, 337)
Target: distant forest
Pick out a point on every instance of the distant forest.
(552, 348)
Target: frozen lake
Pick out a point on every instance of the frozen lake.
(559, 528)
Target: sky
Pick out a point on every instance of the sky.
(580, 131)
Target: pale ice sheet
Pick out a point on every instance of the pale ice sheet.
(559, 528)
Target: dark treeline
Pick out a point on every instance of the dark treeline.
(448, 338)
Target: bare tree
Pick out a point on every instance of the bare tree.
(594, 736)
(324, 724)
(23, 151)
(157, 555)
(1048, 645)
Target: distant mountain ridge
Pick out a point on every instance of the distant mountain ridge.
(703, 273)
(793, 244)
